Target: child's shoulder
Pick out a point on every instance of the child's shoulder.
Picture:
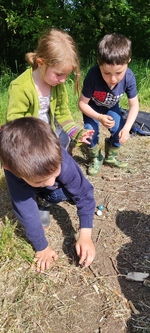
(94, 69)
(23, 78)
(129, 72)
(93, 72)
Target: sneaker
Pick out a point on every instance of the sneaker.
(42, 203)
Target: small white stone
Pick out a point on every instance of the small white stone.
(99, 213)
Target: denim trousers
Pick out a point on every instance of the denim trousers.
(93, 124)
(53, 196)
(63, 137)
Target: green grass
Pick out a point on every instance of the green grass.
(12, 245)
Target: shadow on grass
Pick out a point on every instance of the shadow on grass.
(63, 220)
(59, 213)
(5, 202)
(135, 257)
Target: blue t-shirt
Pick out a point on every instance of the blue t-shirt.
(101, 96)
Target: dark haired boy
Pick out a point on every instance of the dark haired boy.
(36, 166)
(102, 90)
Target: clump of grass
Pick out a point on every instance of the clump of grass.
(73, 99)
(11, 245)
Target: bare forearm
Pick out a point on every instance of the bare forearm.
(88, 111)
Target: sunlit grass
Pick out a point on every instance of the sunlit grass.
(12, 245)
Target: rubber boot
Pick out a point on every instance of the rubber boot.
(45, 218)
(44, 210)
(111, 154)
(96, 161)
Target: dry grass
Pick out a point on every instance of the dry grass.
(69, 298)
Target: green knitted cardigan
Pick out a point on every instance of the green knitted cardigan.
(23, 101)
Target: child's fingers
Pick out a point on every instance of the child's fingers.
(83, 257)
(42, 264)
(89, 259)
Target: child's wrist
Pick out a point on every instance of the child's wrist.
(85, 232)
(99, 117)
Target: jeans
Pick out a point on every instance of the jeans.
(90, 123)
(53, 196)
(63, 137)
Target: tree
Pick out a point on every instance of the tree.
(23, 21)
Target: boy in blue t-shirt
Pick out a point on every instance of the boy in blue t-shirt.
(102, 90)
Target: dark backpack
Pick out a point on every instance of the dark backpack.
(142, 123)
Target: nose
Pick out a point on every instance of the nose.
(50, 182)
(113, 78)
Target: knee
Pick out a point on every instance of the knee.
(88, 126)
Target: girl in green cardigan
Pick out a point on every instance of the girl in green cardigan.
(40, 90)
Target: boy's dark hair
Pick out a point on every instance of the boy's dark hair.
(114, 49)
(29, 148)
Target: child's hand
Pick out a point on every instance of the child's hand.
(87, 135)
(85, 248)
(123, 135)
(43, 259)
(106, 121)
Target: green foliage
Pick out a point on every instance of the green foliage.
(22, 22)
(72, 98)
(5, 79)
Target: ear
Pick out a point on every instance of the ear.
(40, 62)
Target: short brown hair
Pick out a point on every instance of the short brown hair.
(29, 148)
(114, 49)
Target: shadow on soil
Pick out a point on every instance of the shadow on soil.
(135, 257)
(63, 220)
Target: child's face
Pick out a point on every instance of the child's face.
(43, 181)
(55, 75)
(113, 74)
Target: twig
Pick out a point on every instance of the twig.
(114, 265)
(135, 311)
(98, 235)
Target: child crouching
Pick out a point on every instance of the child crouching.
(35, 165)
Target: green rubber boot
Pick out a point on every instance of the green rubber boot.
(96, 161)
(111, 154)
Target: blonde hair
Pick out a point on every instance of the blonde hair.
(56, 47)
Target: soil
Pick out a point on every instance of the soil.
(100, 299)
(122, 236)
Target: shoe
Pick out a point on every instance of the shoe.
(70, 201)
(43, 203)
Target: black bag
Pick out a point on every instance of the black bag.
(142, 123)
